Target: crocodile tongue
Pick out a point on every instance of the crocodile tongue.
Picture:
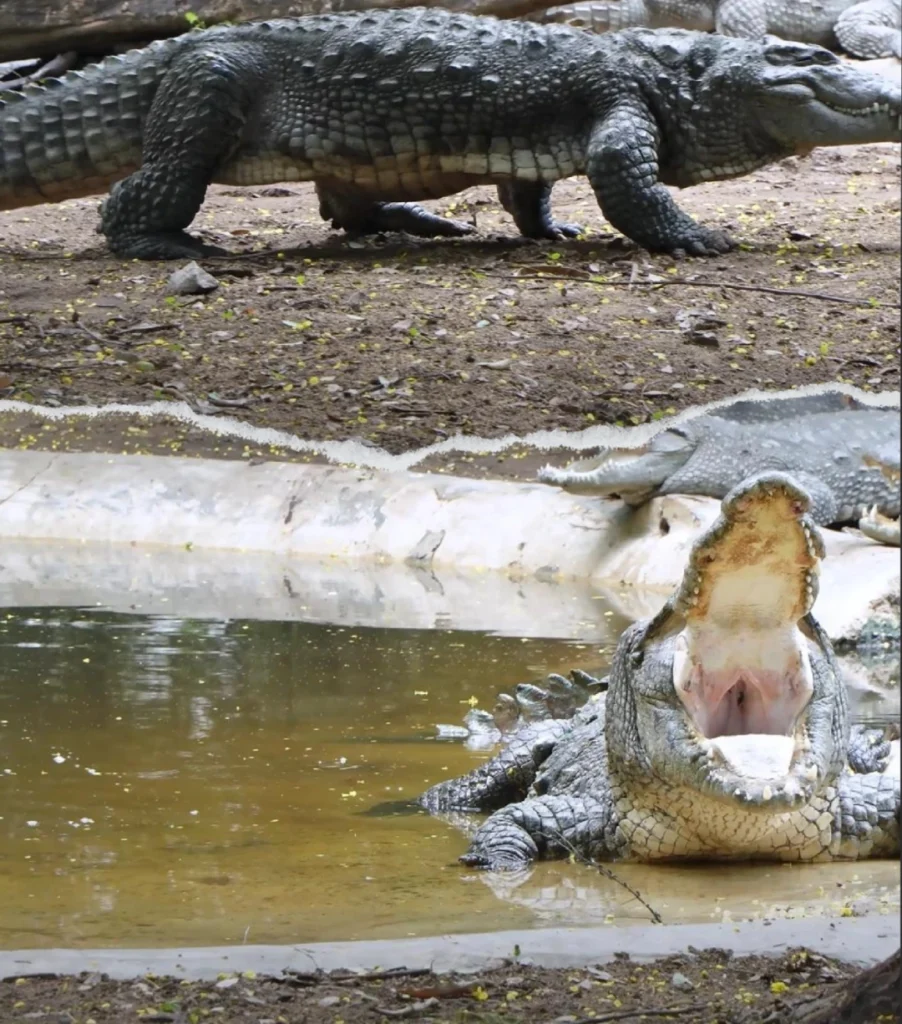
(755, 755)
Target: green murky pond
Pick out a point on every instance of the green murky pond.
(167, 781)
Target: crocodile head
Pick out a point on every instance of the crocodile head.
(633, 474)
(731, 105)
(732, 690)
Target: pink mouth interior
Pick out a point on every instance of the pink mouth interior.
(737, 703)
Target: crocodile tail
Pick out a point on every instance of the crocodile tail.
(75, 135)
(602, 16)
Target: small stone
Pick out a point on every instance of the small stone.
(600, 975)
(680, 982)
(191, 279)
(328, 1001)
(227, 983)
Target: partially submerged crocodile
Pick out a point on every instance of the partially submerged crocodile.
(863, 28)
(724, 732)
(848, 461)
(380, 108)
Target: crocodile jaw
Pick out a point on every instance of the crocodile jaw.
(633, 474)
(741, 665)
(827, 104)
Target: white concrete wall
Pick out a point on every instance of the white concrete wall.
(440, 527)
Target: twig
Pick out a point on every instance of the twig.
(606, 871)
(300, 979)
(391, 972)
(675, 1011)
(409, 1011)
(59, 65)
(21, 364)
(796, 292)
(93, 335)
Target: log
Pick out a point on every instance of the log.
(44, 28)
(871, 996)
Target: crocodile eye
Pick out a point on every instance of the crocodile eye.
(784, 55)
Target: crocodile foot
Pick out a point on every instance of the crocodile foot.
(556, 231)
(176, 245)
(869, 749)
(701, 241)
(408, 217)
(880, 528)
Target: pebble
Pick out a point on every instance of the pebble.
(191, 279)
(600, 975)
(328, 1001)
(681, 982)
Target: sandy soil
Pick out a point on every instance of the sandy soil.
(402, 342)
(709, 987)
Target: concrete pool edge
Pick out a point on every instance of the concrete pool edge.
(865, 940)
(428, 525)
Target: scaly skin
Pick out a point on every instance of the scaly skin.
(531, 721)
(865, 29)
(382, 109)
(848, 462)
(725, 730)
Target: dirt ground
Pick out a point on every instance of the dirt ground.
(704, 987)
(401, 342)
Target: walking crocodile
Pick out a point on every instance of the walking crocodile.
(724, 731)
(383, 108)
(863, 28)
(847, 461)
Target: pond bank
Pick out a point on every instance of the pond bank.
(862, 941)
(427, 525)
(696, 974)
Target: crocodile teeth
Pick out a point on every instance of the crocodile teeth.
(874, 108)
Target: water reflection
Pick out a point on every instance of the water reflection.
(171, 781)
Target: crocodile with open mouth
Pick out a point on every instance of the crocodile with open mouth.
(724, 732)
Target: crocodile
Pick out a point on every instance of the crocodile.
(848, 461)
(383, 108)
(867, 29)
(724, 731)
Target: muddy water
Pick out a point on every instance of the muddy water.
(175, 782)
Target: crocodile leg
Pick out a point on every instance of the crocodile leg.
(529, 203)
(358, 214)
(744, 18)
(544, 827)
(194, 124)
(881, 528)
(870, 30)
(869, 749)
(503, 779)
(867, 817)
(622, 167)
